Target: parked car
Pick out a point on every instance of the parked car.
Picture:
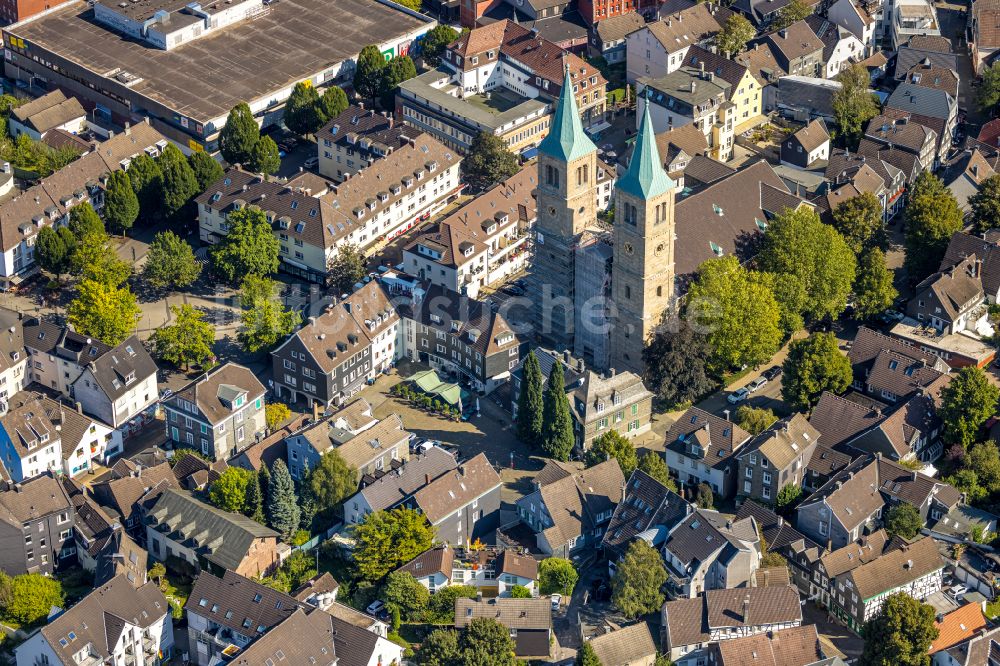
(377, 609)
(311, 163)
(757, 384)
(556, 600)
(739, 395)
(772, 372)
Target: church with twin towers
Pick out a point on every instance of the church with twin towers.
(600, 293)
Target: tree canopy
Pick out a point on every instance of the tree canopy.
(51, 252)
(754, 420)
(859, 221)
(28, 598)
(557, 423)
(932, 217)
(144, 174)
(586, 656)
(332, 103)
(613, 445)
(205, 168)
(239, 135)
(735, 33)
(529, 401)
(985, 205)
(557, 575)
(636, 585)
(368, 73)
(486, 642)
(677, 365)
(104, 312)
(249, 248)
(228, 492)
(331, 482)
(265, 157)
(121, 205)
(276, 413)
(900, 634)
(652, 463)
(178, 184)
(853, 104)
(874, 291)
(397, 70)
(170, 262)
(488, 162)
(966, 402)
(95, 259)
(346, 268)
(385, 540)
(187, 340)
(84, 221)
(988, 95)
(265, 320)
(434, 43)
(814, 365)
(903, 520)
(302, 113)
(282, 505)
(793, 12)
(403, 591)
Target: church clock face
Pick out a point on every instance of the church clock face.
(628, 249)
(659, 249)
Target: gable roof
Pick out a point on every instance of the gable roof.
(916, 99)
(795, 41)
(752, 606)
(957, 626)
(632, 644)
(761, 63)
(717, 437)
(685, 27)
(855, 554)
(869, 343)
(49, 111)
(840, 420)
(299, 639)
(897, 568)
(219, 386)
(963, 245)
(395, 487)
(239, 603)
(777, 532)
(33, 498)
(616, 28)
(453, 490)
(796, 646)
(575, 501)
(512, 613)
(648, 510)
(704, 533)
(813, 135)
(784, 441)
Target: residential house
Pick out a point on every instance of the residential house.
(391, 490)
(910, 18)
(598, 402)
(797, 646)
(798, 50)
(306, 444)
(983, 36)
(459, 335)
(841, 47)
(934, 108)
(929, 75)
(14, 372)
(901, 133)
(865, 351)
(870, 172)
(807, 146)
(776, 458)
(463, 504)
(178, 525)
(29, 441)
(702, 447)
(481, 243)
(220, 413)
(761, 13)
(48, 202)
(46, 113)
(952, 300)
(977, 650)
(608, 37)
(373, 451)
(966, 176)
(659, 48)
(763, 66)
(678, 148)
(690, 626)
(825, 463)
(802, 98)
(963, 522)
(36, 526)
(492, 572)
(320, 591)
(648, 510)
(570, 509)
(301, 638)
(529, 621)
(708, 551)
(127, 494)
(958, 626)
(801, 552)
(328, 360)
(744, 92)
(932, 49)
(985, 248)
(115, 624)
(851, 14)
(356, 139)
(102, 546)
(630, 646)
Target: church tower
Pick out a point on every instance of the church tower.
(642, 274)
(566, 199)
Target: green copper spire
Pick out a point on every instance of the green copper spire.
(645, 177)
(566, 139)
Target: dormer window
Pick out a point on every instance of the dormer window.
(129, 378)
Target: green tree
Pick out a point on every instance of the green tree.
(663, 660)
(788, 497)
(302, 109)
(797, 244)
(901, 634)
(636, 585)
(104, 312)
(488, 162)
(677, 366)
(403, 591)
(265, 320)
(442, 605)
(985, 205)
(529, 402)
(557, 576)
(188, 340)
(653, 464)
(737, 311)
(95, 259)
(770, 558)
(121, 206)
(388, 539)
(206, 169)
(440, 648)
(735, 33)
(265, 158)
(264, 478)
(612, 445)
(331, 482)
(434, 43)
(486, 642)
(903, 520)
(253, 500)
(178, 184)
(282, 505)
(989, 89)
(932, 217)
(814, 365)
(276, 413)
(410, 4)
(51, 252)
(170, 262)
(985, 459)
(144, 175)
(397, 70)
(586, 656)
(557, 424)
(703, 497)
(84, 221)
(249, 248)
(332, 103)
(754, 420)
(966, 402)
(229, 492)
(874, 291)
(793, 12)
(346, 268)
(157, 572)
(966, 481)
(368, 73)
(853, 104)
(30, 597)
(859, 221)
(519, 592)
(239, 135)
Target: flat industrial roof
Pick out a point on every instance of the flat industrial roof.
(205, 78)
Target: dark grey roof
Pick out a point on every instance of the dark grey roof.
(812, 94)
(647, 505)
(907, 57)
(239, 603)
(40, 496)
(215, 392)
(912, 98)
(113, 369)
(964, 244)
(396, 486)
(715, 438)
(299, 639)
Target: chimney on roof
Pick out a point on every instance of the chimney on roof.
(479, 595)
(783, 33)
(725, 412)
(128, 128)
(977, 268)
(427, 479)
(693, 85)
(316, 410)
(746, 610)
(79, 407)
(18, 487)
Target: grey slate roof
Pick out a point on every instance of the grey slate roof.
(223, 383)
(299, 639)
(112, 369)
(454, 489)
(964, 244)
(666, 509)
(37, 497)
(630, 645)
(912, 98)
(393, 488)
(511, 613)
(908, 56)
(717, 437)
(239, 603)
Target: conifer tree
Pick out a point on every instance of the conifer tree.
(239, 135)
(282, 505)
(557, 424)
(253, 505)
(121, 205)
(264, 477)
(529, 403)
(178, 185)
